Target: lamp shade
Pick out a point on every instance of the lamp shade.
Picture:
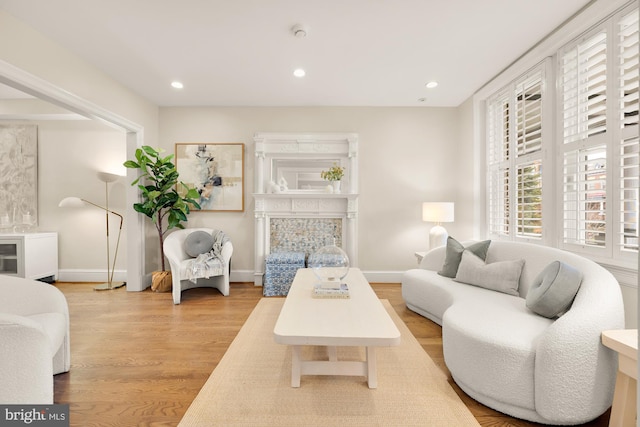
(71, 202)
(437, 212)
(108, 177)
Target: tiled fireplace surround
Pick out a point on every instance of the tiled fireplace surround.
(304, 220)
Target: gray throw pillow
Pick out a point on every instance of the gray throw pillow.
(501, 276)
(454, 255)
(198, 242)
(553, 290)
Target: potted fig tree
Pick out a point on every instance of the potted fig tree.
(161, 201)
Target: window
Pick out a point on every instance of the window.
(629, 149)
(598, 113)
(515, 142)
(583, 94)
(584, 155)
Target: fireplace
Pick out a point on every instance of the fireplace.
(294, 209)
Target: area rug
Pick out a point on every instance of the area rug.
(251, 386)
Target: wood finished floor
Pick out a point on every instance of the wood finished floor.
(139, 360)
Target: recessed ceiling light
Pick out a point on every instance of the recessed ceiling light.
(300, 31)
(177, 85)
(299, 72)
(431, 85)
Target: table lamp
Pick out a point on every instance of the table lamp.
(437, 212)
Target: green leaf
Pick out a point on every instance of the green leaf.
(131, 164)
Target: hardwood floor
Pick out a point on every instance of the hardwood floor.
(139, 360)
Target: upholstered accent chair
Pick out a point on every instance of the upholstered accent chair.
(178, 253)
(34, 337)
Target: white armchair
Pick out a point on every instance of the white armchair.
(174, 250)
(34, 332)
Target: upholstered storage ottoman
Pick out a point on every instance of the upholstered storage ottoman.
(280, 269)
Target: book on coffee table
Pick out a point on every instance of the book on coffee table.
(323, 290)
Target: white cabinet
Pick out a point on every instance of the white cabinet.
(29, 255)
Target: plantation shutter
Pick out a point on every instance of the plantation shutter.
(498, 164)
(583, 95)
(528, 164)
(529, 199)
(585, 196)
(629, 169)
(514, 157)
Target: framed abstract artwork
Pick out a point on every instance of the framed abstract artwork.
(18, 177)
(216, 170)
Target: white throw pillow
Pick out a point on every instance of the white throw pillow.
(501, 276)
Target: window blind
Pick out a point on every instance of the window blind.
(629, 151)
(499, 204)
(628, 53)
(585, 196)
(498, 161)
(529, 205)
(529, 116)
(583, 82)
(515, 135)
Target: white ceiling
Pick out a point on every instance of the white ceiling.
(243, 53)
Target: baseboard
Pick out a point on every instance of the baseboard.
(97, 276)
(236, 276)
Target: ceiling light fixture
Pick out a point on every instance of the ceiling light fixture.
(177, 85)
(300, 31)
(299, 72)
(431, 85)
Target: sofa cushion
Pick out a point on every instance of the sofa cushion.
(198, 242)
(454, 255)
(554, 289)
(501, 276)
(490, 348)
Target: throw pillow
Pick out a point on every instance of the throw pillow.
(553, 290)
(501, 276)
(198, 242)
(454, 255)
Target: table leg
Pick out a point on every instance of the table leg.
(372, 374)
(295, 365)
(623, 411)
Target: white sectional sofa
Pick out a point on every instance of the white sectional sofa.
(546, 370)
(34, 340)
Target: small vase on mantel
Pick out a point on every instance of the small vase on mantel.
(336, 186)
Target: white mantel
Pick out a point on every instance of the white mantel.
(311, 151)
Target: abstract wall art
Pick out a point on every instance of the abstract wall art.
(216, 170)
(18, 177)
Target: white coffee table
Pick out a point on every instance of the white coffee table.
(360, 320)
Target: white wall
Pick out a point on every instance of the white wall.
(81, 84)
(406, 155)
(70, 155)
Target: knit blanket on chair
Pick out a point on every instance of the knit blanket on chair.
(209, 264)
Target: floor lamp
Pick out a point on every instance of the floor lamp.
(78, 202)
(107, 177)
(437, 212)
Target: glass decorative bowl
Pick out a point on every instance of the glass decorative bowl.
(330, 264)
